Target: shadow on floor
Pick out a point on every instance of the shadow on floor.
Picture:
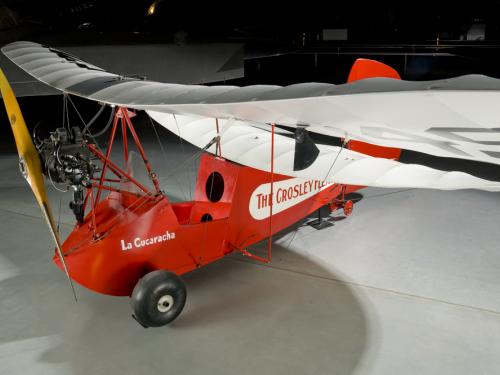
(240, 318)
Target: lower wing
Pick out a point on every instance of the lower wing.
(249, 144)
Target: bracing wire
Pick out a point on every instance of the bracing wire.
(76, 110)
(52, 181)
(293, 237)
(64, 111)
(68, 126)
(164, 152)
(192, 157)
(93, 119)
(335, 160)
(87, 125)
(186, 161)
(183, 154)
(59, 216)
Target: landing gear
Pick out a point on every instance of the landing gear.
(158, 298)
(346, 205)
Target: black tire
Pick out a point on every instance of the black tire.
(158, 298)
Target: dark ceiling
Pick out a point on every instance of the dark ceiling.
(398, 21)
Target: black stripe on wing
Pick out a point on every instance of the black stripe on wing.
(93, 85)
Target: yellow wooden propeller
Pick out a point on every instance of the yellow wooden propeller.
(29, 163)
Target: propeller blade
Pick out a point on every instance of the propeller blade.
(29, 163)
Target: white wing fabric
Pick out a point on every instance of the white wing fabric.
(458, 117)
(247, 144)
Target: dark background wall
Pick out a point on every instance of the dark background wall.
(284, 42)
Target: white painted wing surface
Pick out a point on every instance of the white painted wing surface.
(248, 144)
(457, 117)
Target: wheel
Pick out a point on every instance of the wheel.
(348, 207)
(158, 298)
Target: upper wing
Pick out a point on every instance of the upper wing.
(456, 117)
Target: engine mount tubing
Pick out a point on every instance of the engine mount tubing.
(107, 180)
(111, 188)
(125, 141)
(116, 170)
(141, 150)
(108, 154)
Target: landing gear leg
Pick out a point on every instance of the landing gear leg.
(77, 204)
(346, 205)
(158, 298)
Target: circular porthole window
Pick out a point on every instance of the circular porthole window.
(214, 187)
(206, 217)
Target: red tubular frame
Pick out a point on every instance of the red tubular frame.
(116, 170)
(108, 154)
(123, 115)
(270, 242)
(152, 175)
(125, 141)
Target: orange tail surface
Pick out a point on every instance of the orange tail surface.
(366, 68)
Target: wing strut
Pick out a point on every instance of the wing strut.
(269, 257)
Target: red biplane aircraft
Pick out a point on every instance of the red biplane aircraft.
(253, 180)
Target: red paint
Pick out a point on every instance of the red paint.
(366, 68)
(348, 207)
(128, 234)
(374, 150)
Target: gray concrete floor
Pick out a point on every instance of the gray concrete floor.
(409, 284)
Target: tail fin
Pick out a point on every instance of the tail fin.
(365, 68)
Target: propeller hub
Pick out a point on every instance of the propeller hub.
(165, 303)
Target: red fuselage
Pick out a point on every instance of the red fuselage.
(230, 211)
